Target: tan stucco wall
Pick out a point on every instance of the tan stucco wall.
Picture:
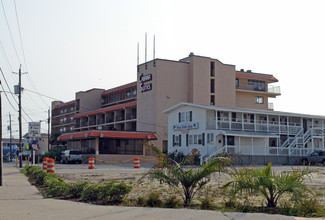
(169, 87)
(247, 100)
(89, 100)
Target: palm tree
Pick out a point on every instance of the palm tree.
(186, 181)
(269, 185)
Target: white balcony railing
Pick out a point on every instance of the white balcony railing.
(273, 89)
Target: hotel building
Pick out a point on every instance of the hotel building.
(116, 122)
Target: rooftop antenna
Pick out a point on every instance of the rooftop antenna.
(138, 55)
(146, 48)
(154, 46)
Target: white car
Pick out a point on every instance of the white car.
(71, 156)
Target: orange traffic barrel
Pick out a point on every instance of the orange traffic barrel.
(137, 162)
(91, 163)
(160, 163)
(50, 165)
(45, 163)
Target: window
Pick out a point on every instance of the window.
(212, 85)
(190, 139)
(259, 100)
(258, 85)
(185, 116)
(210, 138)
(200, 139)
(195, 139)
(237, 83)
(212, 69)
(231, 140)
(177, 140)
(212, 100)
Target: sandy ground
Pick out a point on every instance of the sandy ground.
(126, 173)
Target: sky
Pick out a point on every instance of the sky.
(66, 46)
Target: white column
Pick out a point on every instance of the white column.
(254, 122)
(226, 143)
(267, 123)
(242, 121)
(252, 143)
(216, 114)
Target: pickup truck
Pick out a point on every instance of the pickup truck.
(71, 156)
(317, 157)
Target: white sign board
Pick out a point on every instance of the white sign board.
(34, 129)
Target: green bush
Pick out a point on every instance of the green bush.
(172, 202)
(309, 208)
(90, 192)
(112, 192)
(207, 203)
(55, 185)
(74, 190)
(140, 201)
(153, 200)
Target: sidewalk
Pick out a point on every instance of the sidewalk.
(20, 200)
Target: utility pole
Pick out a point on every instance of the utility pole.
(19, 118)
(0, 140)
(48, 131)
(10, 137)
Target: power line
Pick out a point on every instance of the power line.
(12, 40)
(21, 41)
(8, 98)
(42, 95)
(8, 85)
(5, 56)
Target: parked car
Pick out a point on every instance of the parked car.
(317, 157)
(71, 156)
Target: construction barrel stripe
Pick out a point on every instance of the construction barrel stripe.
(136, 162)
(50, 165)
(91, 163)
(45, 163)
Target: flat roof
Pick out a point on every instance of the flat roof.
(251, 75)
(243, 110)
(65, 104)
(129, 85)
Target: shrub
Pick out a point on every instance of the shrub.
(90, 192)
(207, 203)
(172, 202)
(266, 183)
(40, 177)
(140, 201)
(186, 181)
(113, 192)
(153, 200)
(309, 208)
(74, 190)
(55, 185)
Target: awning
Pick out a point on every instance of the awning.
(108, 134)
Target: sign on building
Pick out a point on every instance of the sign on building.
(34, 129)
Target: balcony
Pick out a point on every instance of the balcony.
(272, 90)
(130, 116)
(120, 118)
(109, 120)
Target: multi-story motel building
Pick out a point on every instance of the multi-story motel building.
(113, 124)
(253, 136)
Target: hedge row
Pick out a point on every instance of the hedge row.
(107, 193)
